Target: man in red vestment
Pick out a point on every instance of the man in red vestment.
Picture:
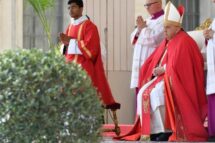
(172, 95)
(82, 44)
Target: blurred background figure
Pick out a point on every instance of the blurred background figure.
(210, 86)
(146, 37)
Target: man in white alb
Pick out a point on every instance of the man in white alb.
(146, 37)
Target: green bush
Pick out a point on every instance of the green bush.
(42, 99)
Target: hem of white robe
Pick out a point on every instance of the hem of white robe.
(210, 89)
(158, 119)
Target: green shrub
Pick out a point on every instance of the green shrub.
(42, 99)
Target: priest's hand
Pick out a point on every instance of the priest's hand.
(158, 71)
(64, 38)
(140, 23)
(208, 33)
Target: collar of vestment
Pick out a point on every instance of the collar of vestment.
(157, 14)
(79, 20)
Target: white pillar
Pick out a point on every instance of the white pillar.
(6, 24)
(11, 24)
(19, 24)
(207, 10)
(0, 24)
(212, 10)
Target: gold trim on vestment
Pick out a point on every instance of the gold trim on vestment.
(85, 49)
(78, 38)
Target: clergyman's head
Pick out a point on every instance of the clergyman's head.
(170, 31)
(75, 8)
(153, 6)
(172, 20)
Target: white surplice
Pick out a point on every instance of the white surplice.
(149, 38)
(211, 63)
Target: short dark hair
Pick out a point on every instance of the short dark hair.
(78, 2)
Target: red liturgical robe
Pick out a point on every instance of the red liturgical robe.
(87, 36)
(185, 99)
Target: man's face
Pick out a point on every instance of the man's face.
(75, 11)
(170, 31)
(213, 1)
(152, 6)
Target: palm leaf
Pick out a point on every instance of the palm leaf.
(40, 7)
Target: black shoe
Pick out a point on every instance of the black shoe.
(163, 137)
(113, 106)
(153, 137)
(211, 139)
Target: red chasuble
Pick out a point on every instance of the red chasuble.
(185, 99)
(87, 36)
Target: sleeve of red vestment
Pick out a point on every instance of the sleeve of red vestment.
(89, 44)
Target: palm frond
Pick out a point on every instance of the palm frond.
(40, 7)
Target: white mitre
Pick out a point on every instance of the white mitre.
(172, 15)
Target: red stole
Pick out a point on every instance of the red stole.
(146, 111)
